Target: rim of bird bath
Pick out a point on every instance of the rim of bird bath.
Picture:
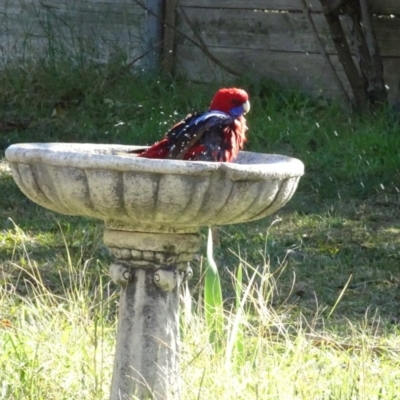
(152, 211)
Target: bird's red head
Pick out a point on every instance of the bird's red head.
(232, 101)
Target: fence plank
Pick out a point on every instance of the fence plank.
(290, 69)
(378, 6)
(275, 31)
(256, 30)
(283, 5)
(302, 71)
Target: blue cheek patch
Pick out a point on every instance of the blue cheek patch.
(236, 112)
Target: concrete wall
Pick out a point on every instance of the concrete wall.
(94, 28)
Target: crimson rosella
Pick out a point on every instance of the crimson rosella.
(214, 135)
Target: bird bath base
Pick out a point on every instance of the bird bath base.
(150, 267)
(152, 210)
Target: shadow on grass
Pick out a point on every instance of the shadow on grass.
(326, 250)
(30, 234)
(319, 247)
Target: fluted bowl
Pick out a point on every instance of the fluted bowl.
(105, 182)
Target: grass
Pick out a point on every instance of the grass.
(319, 319)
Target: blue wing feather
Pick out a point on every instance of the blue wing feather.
(194, 130)
(212, 115)
(193, 121)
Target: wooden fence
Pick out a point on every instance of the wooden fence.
(258, 38)
(274, 39)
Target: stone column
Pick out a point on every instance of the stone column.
(150, 268)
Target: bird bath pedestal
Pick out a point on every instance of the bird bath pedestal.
(152, 210)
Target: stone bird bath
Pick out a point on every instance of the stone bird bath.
(152, 210)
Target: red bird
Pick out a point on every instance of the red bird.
(214, 135)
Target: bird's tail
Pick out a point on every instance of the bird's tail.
(158, 150)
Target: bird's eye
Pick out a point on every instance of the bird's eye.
(236, 102)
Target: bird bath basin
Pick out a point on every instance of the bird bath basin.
(152, 210)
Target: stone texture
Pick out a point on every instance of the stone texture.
(152, 211)
(131, 193)
(147, 353)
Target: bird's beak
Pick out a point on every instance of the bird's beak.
(246, 107)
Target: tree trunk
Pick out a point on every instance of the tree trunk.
(357, 82)
(376, 90)
(366, 81)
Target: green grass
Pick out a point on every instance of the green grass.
(61, 345)
(320, 317)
